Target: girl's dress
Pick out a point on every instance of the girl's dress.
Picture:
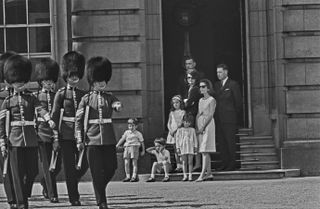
(175, 120)
(207, 142)
(186, 140)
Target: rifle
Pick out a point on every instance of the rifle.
(85, 128)
(6, 159)
(53, 162)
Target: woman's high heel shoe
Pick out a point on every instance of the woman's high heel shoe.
(199, 180)
(208, 178)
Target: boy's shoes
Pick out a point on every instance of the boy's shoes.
(166, 179)
(54, 200)
(185, 178)
(134, 179)
(127, 179)
(190, 178)
(151, 180)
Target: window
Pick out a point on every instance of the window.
(26, 28)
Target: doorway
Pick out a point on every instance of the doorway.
(212, 32)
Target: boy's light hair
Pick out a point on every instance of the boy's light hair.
(160, 140)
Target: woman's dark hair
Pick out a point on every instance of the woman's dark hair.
(209, 85)
(176, 97)
(195, 75)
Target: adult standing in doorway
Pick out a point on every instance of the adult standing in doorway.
(229, 106)
(191, 106)
(183, 86)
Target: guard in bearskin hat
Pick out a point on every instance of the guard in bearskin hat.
(7, 181)
(65, 104)
(18, 138)
(95, 129)
(47, 72)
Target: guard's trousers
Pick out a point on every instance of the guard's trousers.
(24, 167)
(8, 182)
(70, 156)
(102, 163)
(48, 180)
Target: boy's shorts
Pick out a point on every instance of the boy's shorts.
(160, 168)
(131, 152)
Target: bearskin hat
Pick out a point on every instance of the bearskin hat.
(73, 63)
(17, 69)
(3, 59)
(98, 69)
(47, 69)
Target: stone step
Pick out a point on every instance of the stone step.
(246, 149)
(234, 175)
(248, 131)
(260, 166)
(256, 140)
(259, 157)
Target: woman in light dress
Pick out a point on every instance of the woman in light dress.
(206, 128)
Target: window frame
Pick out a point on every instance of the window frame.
(29, 54)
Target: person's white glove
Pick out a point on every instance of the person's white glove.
(80, 146)
(51, 124)
(4, 151)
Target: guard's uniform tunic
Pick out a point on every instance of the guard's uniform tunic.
(45, 134)
(69, 98)
(7, 181)
(22, 141)
(99, 138)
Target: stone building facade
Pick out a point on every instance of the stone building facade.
(279, 62)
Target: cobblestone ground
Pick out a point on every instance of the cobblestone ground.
(288, 193)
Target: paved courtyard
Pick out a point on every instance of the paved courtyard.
(288, 193)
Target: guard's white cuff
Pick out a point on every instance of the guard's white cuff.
(47, 117)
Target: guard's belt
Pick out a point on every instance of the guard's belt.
(22, 123)
(68, 119)
(100, 121)
(41, 120)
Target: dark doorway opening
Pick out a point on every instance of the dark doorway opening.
(216, 36)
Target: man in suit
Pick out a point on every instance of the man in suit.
(229, 105)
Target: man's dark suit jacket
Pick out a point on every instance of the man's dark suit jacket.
(229, 102)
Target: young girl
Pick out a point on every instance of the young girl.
(187, 145)
(206, 128)
(133, 140)
(175, 120)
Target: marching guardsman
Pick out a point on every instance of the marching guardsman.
(94, 127)
(22, 141)
(7, 177)
(65, 104)
(47, 72)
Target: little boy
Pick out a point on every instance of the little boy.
(133, 140)
(163, 159)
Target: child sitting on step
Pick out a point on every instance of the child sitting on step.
(163, 160)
